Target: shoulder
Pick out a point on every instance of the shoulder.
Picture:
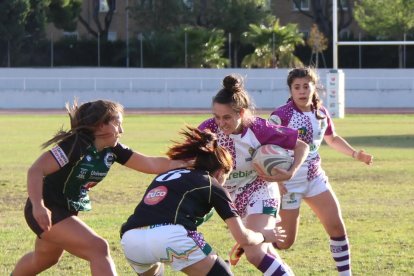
(282, 114)
(209, 124)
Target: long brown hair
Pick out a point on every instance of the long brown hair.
(84, 119)
(234, 94)
(307, 72)
(203, 147)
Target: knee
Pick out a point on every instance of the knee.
(286, 244)
(99, 247)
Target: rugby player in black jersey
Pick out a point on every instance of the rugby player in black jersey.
(163, 228)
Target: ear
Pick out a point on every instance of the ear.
(242, 111)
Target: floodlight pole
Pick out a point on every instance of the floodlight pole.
(335, 33)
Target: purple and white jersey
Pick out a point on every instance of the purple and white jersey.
(311, 131)
(241, 146)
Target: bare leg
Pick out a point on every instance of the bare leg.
(45, 255)
(326, 207)
(289, 223)
(202, 267)
(74, 236)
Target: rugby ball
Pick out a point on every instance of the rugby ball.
(267, 157)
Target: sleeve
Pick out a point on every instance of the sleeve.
(268, 133)
(122, 153)
(281, 115)
(209, 124)
(222, 203)
(66, 152)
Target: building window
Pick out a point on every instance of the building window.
(344, 4)
(106, 5)
(145, 5)
(303, 4)
(344, 34)
(71, 35)
(112, 36)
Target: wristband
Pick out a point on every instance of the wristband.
(354, 154)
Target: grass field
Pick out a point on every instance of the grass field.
(377, 202)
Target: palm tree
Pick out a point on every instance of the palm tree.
(274, 46)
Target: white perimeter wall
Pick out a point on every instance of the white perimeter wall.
(188, 88)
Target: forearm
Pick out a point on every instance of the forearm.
(341, 145)
(251, 238)
(301, 152)
(35, 186)
(153, 164)
(243, 235)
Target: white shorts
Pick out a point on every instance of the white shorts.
(171, 244)
(263, 199)
(299, 187)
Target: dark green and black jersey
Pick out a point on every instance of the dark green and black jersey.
(181, 196)
(82, 167)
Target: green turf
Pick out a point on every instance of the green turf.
(377, 202)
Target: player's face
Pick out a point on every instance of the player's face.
(221, 176)
(302, 90)
(108, 134)
(227, 120)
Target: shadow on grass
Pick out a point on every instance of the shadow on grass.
(389, 141)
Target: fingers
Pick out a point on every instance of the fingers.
(43, 218)
(364, 157)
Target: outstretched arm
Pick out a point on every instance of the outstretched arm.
(154, 164)
(245, 236)
(340, 144)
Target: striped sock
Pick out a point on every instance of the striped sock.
(341, 254)
(270, 266)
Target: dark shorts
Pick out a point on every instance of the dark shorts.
(58, 214)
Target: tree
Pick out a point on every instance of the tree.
(64, 13)
(204, 48)
(100, 29)
(162, 15)
(321, 13)
(318, 43)
(274, 46)
(13, 17)
(387, 19)
(232, 16)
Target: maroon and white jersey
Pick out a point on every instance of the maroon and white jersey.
(311, 131)
(241, 146)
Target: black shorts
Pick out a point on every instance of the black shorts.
(58, 214)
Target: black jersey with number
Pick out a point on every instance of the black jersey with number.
(82, 167)
(180, 197)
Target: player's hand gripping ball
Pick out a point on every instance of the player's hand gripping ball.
(267, 157)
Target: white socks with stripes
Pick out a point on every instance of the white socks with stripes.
(341, 254)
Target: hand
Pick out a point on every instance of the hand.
(364, 157)
(43, 217)
(282, 188)
(278, 175)
(276, 234)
